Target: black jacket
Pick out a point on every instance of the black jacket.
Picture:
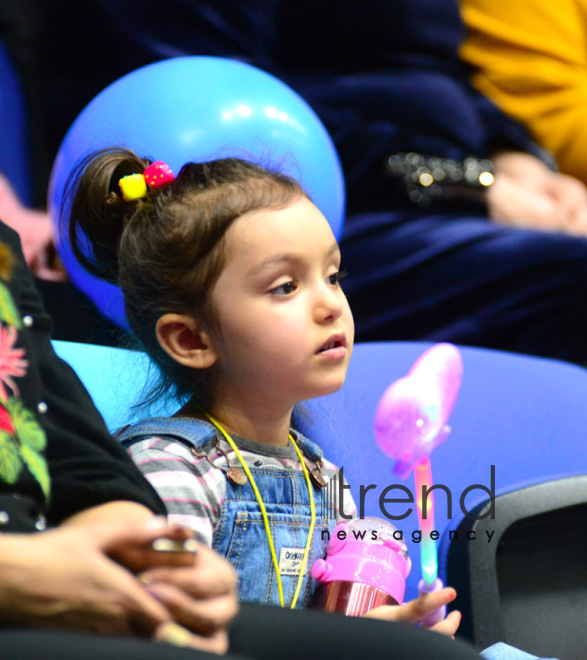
(56, 453)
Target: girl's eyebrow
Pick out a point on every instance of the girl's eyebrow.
(287, 257)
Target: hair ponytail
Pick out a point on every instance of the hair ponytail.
(98, 214)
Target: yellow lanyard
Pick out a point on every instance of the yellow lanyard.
(234, 448)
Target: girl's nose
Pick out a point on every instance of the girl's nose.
(329, 303)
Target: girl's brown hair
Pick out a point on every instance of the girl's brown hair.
(165, 250)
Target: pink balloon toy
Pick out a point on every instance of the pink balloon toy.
(412, 415)
(410, 421)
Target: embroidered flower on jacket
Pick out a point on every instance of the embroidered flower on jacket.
(12, 363)
(22, 442)
(5, 421)
(22, 439)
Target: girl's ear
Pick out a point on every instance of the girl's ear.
(181, 337)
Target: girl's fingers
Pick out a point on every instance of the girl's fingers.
(450, 625)
(417, 609)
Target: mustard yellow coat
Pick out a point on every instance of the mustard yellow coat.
(530, 57)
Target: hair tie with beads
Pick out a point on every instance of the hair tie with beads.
(134, 186)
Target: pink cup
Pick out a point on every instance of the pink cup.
(365, 567)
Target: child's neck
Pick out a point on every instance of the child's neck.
(271, 429)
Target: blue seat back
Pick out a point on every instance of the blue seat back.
(526, 416)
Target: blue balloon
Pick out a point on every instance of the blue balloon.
(196, 109)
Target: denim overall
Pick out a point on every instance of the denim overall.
(240, 535)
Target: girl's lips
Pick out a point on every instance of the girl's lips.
(334, 348)
(335, 353)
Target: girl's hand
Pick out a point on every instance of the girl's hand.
(415, 610)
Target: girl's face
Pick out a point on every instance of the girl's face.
(285, 327)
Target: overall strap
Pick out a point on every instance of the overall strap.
(194, 432)
(308, 447)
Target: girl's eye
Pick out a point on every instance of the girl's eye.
(335, 278)
(284, 289)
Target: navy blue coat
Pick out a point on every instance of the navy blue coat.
(384, 76)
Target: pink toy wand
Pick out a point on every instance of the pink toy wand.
(410, 421)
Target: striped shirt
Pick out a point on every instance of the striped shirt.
(193, 483)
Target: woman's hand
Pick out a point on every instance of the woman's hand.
(64, 579)
(415, 610)
(526, 194)
(201, 597)
(198, 590)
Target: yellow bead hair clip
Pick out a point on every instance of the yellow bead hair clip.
(134, 186)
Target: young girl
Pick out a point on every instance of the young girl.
(231, 283)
